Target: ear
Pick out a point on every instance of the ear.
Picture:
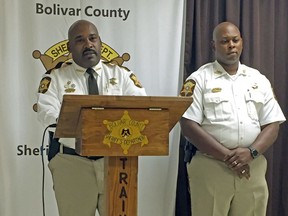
(100, 40)
(213, 45)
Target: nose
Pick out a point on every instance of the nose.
(231, 44)
(88, 43)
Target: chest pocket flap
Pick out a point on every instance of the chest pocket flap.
(217, 106)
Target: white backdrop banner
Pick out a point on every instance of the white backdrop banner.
(144, 35)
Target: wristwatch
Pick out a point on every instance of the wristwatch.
(254, 153)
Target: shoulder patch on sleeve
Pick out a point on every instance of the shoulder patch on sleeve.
(135, 80)
(44, 85)
(188, 88)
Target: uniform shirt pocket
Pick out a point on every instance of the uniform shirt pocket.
(113, 90)
(217, 107)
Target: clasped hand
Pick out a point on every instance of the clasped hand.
(237, 160)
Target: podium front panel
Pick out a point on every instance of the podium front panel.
(123, 132)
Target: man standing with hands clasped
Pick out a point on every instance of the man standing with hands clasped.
(78, 181)
(232, 121)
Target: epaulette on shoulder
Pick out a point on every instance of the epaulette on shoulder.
(58, 65)
(113, 63)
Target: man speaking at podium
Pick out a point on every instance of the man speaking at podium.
(78, 180)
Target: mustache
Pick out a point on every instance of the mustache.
(89, 50)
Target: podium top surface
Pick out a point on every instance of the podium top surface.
(72, 105)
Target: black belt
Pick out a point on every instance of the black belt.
(70, 151)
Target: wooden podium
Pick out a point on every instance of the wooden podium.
(121, 128)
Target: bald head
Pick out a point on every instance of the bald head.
(78, 24)
(224, 26)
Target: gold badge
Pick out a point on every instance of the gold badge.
(44, 85)
(135, 80)
(215, 90)
(113, 81)
(69, 87)
(125, 132)
(255, 86)
(188, 88)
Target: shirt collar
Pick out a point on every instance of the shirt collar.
(220, 71)
(97, 68)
